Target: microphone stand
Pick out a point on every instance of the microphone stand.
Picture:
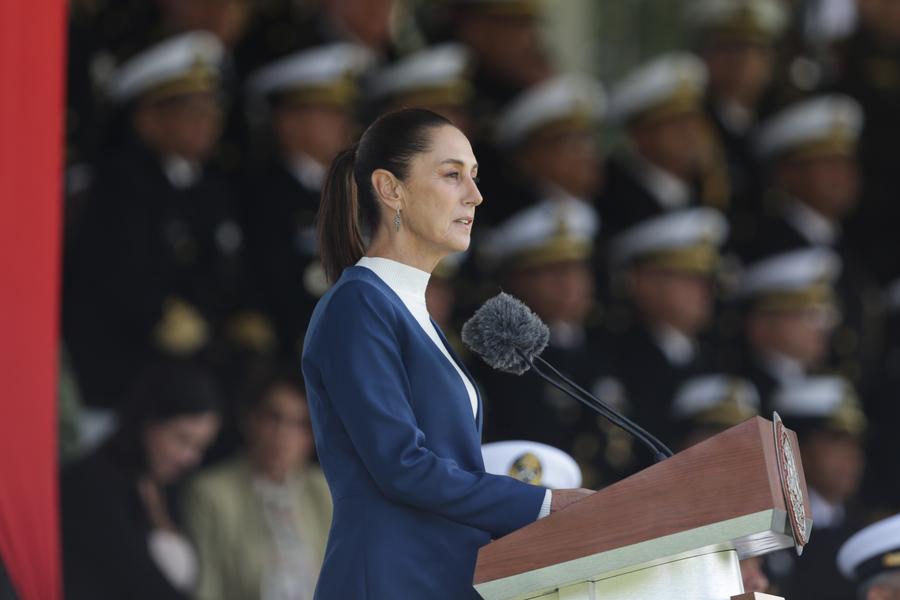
(659, 450)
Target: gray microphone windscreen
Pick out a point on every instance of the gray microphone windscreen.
(502, 328)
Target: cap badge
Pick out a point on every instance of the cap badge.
(526, 467)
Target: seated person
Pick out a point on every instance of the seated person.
(120, 534)
(261, 520)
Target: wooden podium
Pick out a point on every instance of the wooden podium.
(674, 530)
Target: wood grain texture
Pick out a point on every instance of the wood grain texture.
(730, 475)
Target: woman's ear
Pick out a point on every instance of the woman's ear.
(388, 188)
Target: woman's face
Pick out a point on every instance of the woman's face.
(278, 432)
(175, 446)
(441, 195)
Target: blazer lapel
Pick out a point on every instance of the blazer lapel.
(479, 412)
(363, 272)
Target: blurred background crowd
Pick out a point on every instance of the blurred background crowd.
(697, 196)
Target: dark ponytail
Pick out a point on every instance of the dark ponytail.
(340, 237)
(349, 211)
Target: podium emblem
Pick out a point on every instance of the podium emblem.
(790, 483)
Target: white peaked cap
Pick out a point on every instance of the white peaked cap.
(532, 462)
(809, 121)
(790, 271)
(535, 226)
(814, 397)
(702, 393)
(669, 231)
(164, 62)
(880, 540)
(435, 66)
(551, 100)
(313, 67)
(655, 82)
(769, 16)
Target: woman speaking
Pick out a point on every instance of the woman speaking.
(396, 416)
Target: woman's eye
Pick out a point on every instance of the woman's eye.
(476, 178)
(453, 175)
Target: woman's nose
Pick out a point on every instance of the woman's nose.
(474, 197)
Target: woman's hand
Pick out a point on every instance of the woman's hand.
(563, 498)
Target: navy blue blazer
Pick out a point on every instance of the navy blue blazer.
(401, 452)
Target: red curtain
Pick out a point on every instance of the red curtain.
(32, 47)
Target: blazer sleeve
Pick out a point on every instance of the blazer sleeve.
(354, 355)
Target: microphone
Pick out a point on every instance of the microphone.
(510, 337)
(506, 334)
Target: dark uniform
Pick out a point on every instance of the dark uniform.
(529, 408)
(825, 407)
(729, 37)
(282, 27)
(766, 381)
(668, 89)
(784, 285)
(854, 341)
(870, 73)
(539, 254)
(813, 576)
(745, 177)
(145, 247)
(280, 196)
(650, 378)
(879, 391)
(869, 559)
(820, 129)
(279, 214)
(627, 199)
(652, 352)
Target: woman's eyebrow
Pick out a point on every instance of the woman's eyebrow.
(457, 161)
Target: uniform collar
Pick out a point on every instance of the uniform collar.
(309, 172)
(734, 117)
(824, 513)
(181, 172)
(811, 225)
(678, 348)
(782, 367)
(670, 191)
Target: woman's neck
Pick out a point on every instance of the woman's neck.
(401, 248)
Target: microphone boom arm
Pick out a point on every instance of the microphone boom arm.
(659, 450)
(656, 442)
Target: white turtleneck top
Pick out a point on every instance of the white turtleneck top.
(409, 284)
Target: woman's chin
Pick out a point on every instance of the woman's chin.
(459, 244)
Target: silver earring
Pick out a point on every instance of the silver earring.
(397, 220)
